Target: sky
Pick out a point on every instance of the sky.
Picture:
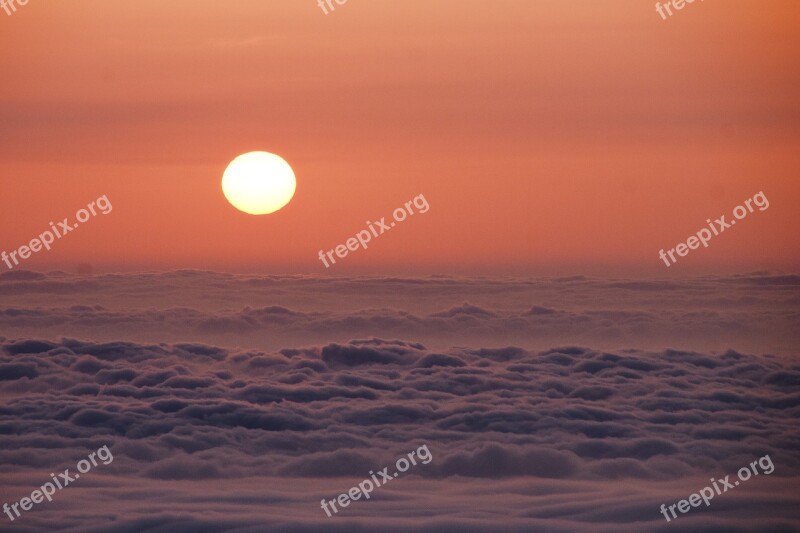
(520, 324)
(548, 137)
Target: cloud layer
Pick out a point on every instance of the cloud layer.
(756, 313)
(566, 439)
(236, 403)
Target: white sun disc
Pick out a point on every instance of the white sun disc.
(258, 183)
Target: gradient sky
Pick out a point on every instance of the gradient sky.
(546, 136)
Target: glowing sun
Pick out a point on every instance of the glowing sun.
(258, 183)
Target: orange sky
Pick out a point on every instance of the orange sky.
(548, 136)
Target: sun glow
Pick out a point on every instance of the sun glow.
(258, 183)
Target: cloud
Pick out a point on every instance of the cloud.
(497, 461)
(11, 371)
(756, 312)
(252, 433)
(354, 355)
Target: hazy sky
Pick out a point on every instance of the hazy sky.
(546, 135)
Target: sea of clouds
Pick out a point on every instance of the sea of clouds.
(235, 403)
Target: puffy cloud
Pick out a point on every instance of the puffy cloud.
(247, 423)
(11, 371)
(355, 355)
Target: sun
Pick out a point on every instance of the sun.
(258, 183)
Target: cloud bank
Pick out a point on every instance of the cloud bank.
(757, 313)
(570, 438)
